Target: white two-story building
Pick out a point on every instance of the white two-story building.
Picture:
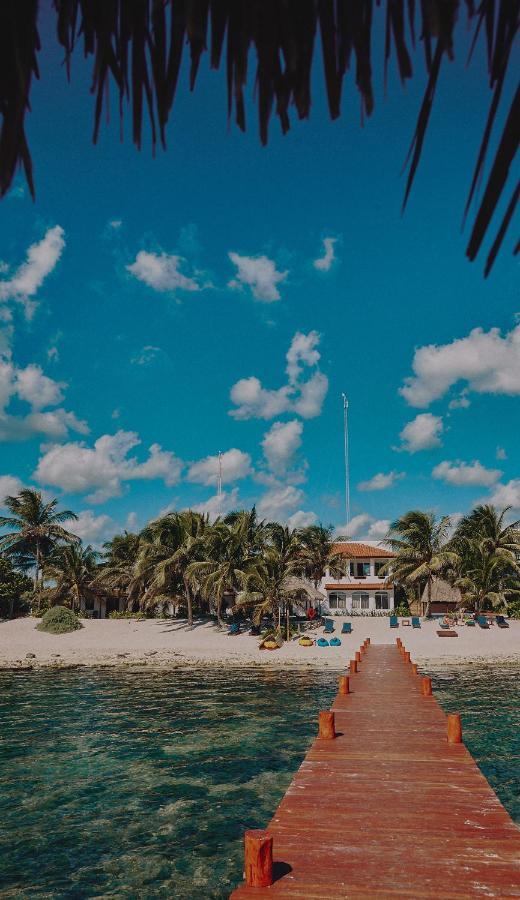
(364, 588)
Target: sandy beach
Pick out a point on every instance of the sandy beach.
(162, 643)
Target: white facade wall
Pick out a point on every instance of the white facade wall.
(360, 591)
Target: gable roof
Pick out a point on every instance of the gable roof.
(358, 550)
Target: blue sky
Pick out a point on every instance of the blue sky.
(156, 311)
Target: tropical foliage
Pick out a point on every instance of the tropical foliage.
(184, 563)
(480, 556)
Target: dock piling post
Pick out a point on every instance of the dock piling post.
(426, 686)
(353, 666)
(326, 728)
(454, 729)
(415, 669)
(367, 642)
(358, 656)
(258, 858)
(406, 657)
(344, 684)
(398, 642)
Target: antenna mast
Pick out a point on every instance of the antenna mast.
(346, 457)
(219, 477)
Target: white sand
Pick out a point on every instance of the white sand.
(167, 643)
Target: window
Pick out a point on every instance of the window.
(360, 569)
(338, 600)
(382, 601)
(360, 601)
(377, 568)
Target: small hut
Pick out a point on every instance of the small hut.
(444, 599)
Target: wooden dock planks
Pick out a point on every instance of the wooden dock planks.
(389, 808)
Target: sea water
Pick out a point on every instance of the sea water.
(135, 785)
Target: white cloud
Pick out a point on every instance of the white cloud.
(466, 474)
(147, 355)
(381, 481)
(303, 351)
(278, 502)
(488, 362)
(219, 505)
(364, 526)
(161, 272)
(501, 453)
(422, 433)
(38, 389)
(76, 468)
(260, 274)
(357, 524)
(301, 519)
(234, 465)
(131, 521)
(460, 402)
(507, 494)
(10, 485)
(91, 528)
(305, 398)
(379, 529)
(324, 263)
(280, 444)
(31, 386)
(42, 258)
(115, 224)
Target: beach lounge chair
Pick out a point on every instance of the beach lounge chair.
(346, 628)
(394, 622)
(483, 622)
(321, 642)
(234, 628)
(335, 642)
(255, 630)
(329, 626)
(501, 622)
(471, 622)
(416, 622)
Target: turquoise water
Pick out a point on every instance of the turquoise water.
(128, 785)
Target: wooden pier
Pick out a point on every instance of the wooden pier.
(389, 807)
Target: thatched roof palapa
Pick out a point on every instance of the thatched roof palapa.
(139, 46)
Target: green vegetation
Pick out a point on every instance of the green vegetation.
(184, 564)
(59, 620)
(481, 557)
(14, 587)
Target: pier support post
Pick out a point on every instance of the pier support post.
(344, 684)
(326, 729)
(358, 656)
(367, 642)
(258, 858)
(415, 669)
(398, 642)
(454, 729)
(353, 666)
(406, 657)
(426, 686)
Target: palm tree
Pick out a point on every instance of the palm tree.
(226, 557)
(36, 529)
(489, 554)
(73, 568)
(169, 547)
(252, 532)
(318, 555)
(420, 543)
(117, 570)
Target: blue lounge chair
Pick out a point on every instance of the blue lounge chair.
(416, 622)
(321, 642)
(483, 622)
(234, 628)
(329, 626)
(394, 622)
(346, 628)
(335, 642)
(471, 622)
(501, 622)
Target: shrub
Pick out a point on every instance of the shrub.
(59, 620)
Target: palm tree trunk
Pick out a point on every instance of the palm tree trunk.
(429, 603)
(189, 602)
